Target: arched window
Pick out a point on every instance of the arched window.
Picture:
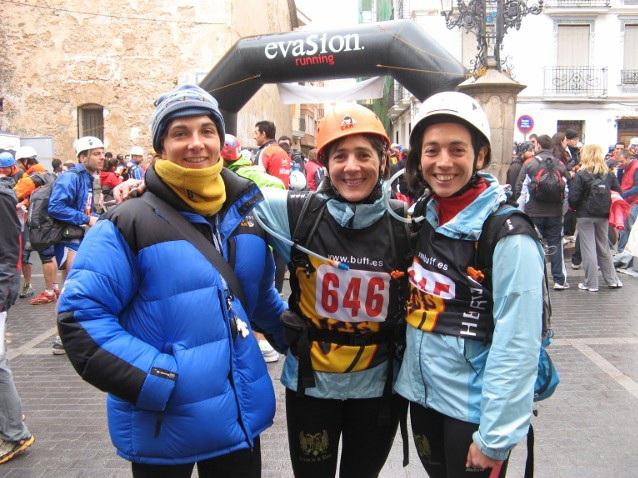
(91, 121)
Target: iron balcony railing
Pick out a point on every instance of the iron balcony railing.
(576, 81)
(400, 94)
(578, 3)
(629, 77)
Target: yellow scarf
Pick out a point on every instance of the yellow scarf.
(202, 189)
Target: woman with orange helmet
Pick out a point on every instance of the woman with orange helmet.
(347, 301)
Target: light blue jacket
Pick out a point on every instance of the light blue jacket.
(488, 384)
(274, 213)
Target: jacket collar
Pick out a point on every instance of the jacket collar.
(468, 223)
(241, 197)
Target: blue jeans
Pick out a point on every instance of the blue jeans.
(551, 229)
(12, 427)
(623, 237)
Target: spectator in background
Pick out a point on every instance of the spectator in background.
(56, 165)
(627, 173)
(108, 180)
(547, 216)
(591, 202)
(276, 162)
(314, 171)
(15, 437)
(572, 148)
(27, 161)
(533, 138)
(559, 149)
(524, 152)
(134, 166)
(35, 177)
(270, 155)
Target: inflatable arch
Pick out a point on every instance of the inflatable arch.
(398, 48)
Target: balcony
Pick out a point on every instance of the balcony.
(578, 3)
(629, 77)
(577, 81)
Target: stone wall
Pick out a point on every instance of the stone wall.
(121, 55)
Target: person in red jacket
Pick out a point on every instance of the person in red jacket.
(270, 155)
(627, 172)
(314, 170)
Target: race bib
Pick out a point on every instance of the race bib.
(352, 295)
(431, 282)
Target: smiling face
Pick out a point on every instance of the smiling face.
(192, 142)
(447, 158)
(353, 167)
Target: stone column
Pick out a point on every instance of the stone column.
(497, 92)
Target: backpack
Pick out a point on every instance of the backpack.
(598, 200)
(548, 184)
(43, 229)
(498, 225)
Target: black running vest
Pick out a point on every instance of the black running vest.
(365, 301)
(448, 295)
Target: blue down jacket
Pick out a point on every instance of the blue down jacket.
(144, 316)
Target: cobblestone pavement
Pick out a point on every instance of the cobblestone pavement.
(589, 428)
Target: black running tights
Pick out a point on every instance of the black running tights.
(442, 444)
(315, 426)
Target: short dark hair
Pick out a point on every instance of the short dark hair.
(267, 127)
(544, 141)
(413, 174)
(56, 164)
(533, 135)
(108, 155)
(571, 134)
(621, 143)
(284, 138)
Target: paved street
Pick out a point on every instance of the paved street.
(589, 428)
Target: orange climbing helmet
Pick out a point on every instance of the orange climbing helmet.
(345, 120)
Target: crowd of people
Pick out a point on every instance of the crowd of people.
(392, 305)
(580, 193)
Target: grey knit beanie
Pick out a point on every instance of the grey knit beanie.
(183, 101)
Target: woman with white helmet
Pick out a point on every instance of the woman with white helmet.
(347, 260)
(473, 333)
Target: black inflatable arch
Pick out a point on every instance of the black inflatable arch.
(399, 48)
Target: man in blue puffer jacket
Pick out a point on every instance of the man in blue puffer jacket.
(146, 318)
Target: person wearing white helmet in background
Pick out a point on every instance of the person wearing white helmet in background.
(26, 161)
(35, 177)
(472, 341)
(23, 155)
(72, 202)
(134, 167)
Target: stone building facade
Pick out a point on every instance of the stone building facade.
(70, 68)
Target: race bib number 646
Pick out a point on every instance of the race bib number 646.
(352, 296)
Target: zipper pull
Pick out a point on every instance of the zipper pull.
(237, 326)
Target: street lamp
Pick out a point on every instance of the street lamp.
(489, 21)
